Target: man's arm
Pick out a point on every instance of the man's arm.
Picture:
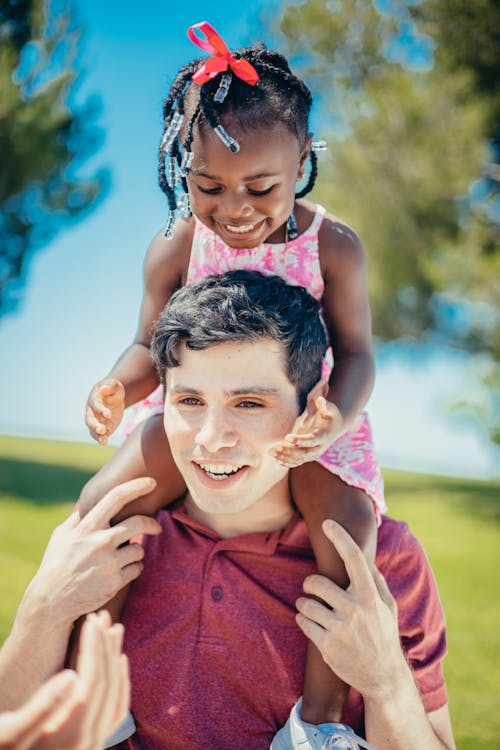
(83, 567)
(359, 639)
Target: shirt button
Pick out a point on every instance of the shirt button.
(217, 593)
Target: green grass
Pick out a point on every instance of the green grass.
(458, 522)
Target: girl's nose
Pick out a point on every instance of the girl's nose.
(236, 207)
(215, 433)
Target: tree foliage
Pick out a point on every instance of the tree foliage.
(410, 100)
(44, 135)
(410, 127)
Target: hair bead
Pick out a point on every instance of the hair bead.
(171, 173)
(291, 227)
(187, 158)
(226, 139)
(171, 132)
(169, 228)
(184, 205)
(320, 145)
(224, 85)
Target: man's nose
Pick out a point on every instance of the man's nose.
(216, 432)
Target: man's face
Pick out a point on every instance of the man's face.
(225, 407)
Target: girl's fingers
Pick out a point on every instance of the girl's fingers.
(93, 423)
(306, 441)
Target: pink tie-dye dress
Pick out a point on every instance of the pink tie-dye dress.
(352, 456)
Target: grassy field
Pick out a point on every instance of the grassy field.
(457, 520)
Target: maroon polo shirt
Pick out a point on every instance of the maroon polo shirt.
(216, 658)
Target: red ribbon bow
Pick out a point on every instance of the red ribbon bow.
(223, 58)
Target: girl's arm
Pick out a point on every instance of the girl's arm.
(348, 321)
(134, 376)
(347, 317)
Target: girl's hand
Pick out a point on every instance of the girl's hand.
(319, 425)
(104, 410)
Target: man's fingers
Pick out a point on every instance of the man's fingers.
(326, 590)
(315, 611)
(134, 526)
(355, 562)
(102, 513)
(384, 590)
(131, 553)
(311, 630)
(131, 572)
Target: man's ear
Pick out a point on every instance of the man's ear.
(304, 156)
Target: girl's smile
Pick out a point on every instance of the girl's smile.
(246, 198)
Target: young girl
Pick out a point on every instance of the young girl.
(235, 144)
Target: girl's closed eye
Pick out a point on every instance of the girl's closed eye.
(266, 191)
(209, 191)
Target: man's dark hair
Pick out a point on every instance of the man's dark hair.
(244, 306)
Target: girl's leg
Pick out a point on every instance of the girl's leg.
(320, 494)
(145, 453)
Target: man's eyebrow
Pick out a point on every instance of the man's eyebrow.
(256, 390)
(179, 388)
(249, 178)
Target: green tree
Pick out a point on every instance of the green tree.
(413, 115)
(44, 135)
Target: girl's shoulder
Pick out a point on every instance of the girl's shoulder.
(167, 258)
(340, 249)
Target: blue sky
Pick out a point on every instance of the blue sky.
(81, 303)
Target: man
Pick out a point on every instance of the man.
(220, 663)
(216, 656)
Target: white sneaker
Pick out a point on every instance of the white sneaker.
(299, 735)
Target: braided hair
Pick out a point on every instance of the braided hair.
(278, 96)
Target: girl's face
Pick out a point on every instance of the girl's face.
(247, 197)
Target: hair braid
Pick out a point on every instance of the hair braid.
(312, 176)
(278, 96)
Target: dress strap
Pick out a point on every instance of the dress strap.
(317, 220)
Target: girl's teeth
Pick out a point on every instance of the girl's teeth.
(241, 230)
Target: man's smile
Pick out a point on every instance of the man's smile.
(219, 475)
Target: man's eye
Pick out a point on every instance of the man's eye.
(190, 401)
(209, 191)
(248, 404)
(252, 191)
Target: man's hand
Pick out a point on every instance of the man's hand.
(319, 425)
(85, 564)
(356, 630)
(76, 710)
(104, 409)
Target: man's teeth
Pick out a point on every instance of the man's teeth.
(218, 471)
(241, 229)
